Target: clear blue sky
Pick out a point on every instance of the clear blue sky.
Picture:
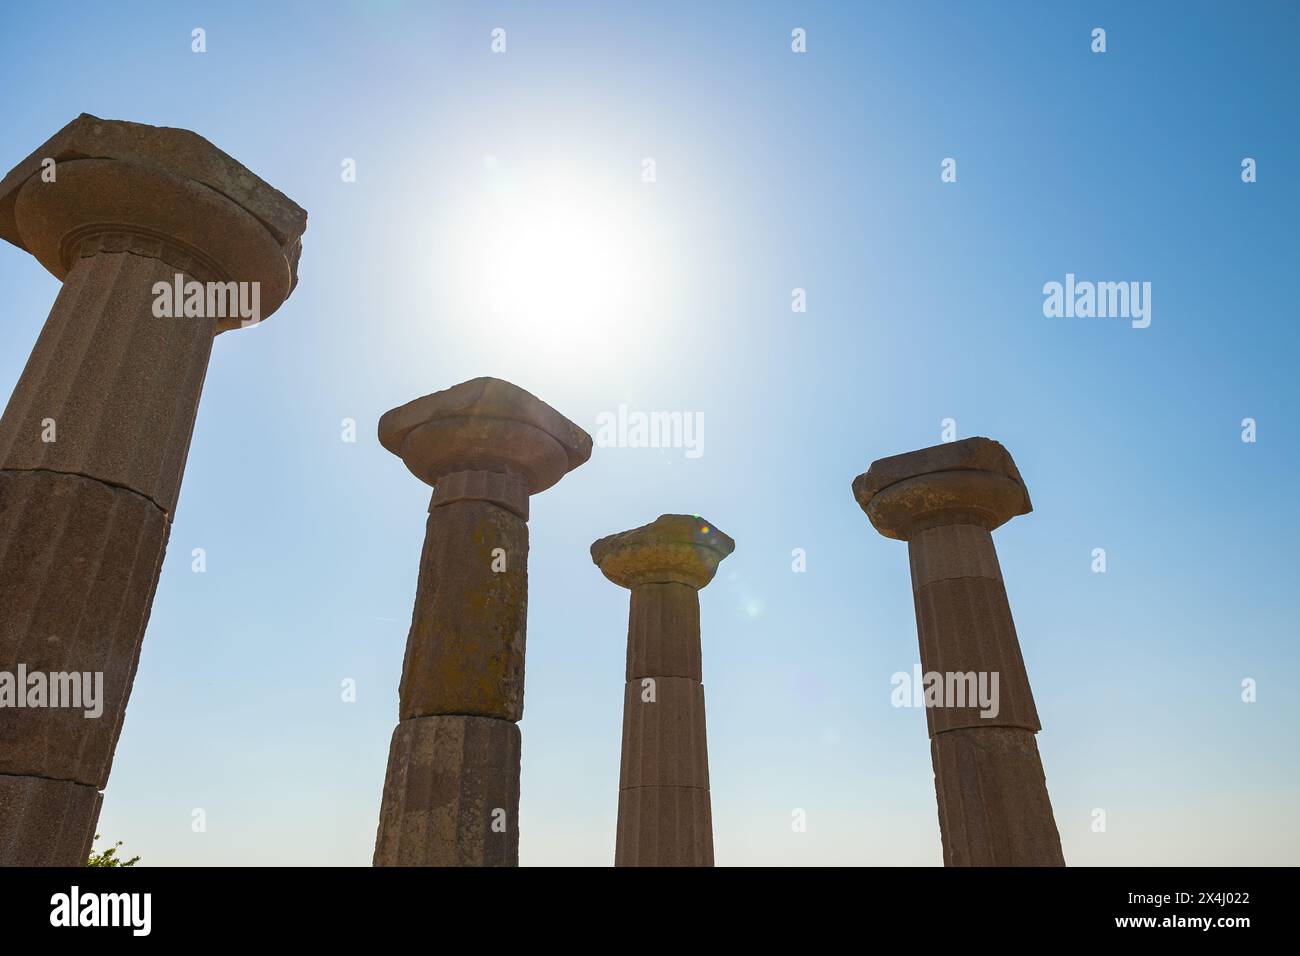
(773, 171)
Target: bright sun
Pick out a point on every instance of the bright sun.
(553, 263)
(554, 257)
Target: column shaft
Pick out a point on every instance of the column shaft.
(465, 650)
(450, 780)
(964, 624)
(79, 562)
(994, 809)
(663, 631)
(451, 794)
(664, 815)
(46, 822)
(993, 804)
(84, 520)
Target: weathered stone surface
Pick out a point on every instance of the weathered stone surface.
(120, 386)
(505, 490)
(46, 822)
(465, 651)
(664, 826)
(944, 501)
(964, 625)
(485, 424)
(663, 632)
(79, 561)
(664, 738)
(969, 454)
(178, 153)
(952, 551)
(993, 804)
(450, 781)
(684, 549)
(973, 481)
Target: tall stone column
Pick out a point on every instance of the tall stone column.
(944, 501)
(451, 794)
(94, 438)
(664, 816)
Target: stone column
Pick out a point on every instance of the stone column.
(664, 817)
(944, 502)
(94, 438)
(451, 794)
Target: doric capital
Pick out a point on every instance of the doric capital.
(972, 481)
(684, 549)
(484, 425)
(154, 191)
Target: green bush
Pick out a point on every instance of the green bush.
(109, 857)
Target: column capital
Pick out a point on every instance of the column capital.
(158, 192)
(972, 481)
(484, 425)
(682, 549)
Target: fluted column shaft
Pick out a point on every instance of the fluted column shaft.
(664, 814)
(84, 520)
(994, 809)
(451, 796)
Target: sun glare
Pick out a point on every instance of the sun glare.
(551, 263)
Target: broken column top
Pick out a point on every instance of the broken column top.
(974, 477)
(485, 424)
(682, 549)
(162, 181)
